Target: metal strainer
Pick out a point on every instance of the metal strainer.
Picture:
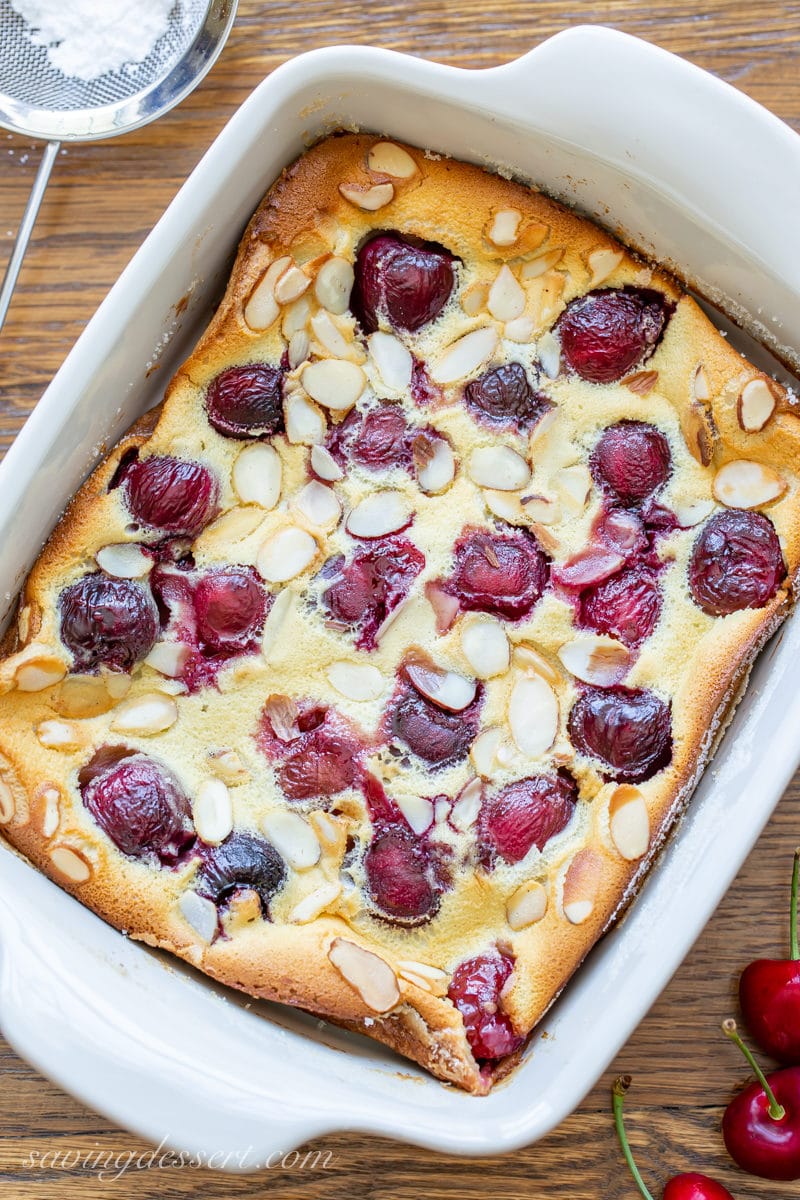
(38, 101)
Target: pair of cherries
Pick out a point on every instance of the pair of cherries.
(761, 1126)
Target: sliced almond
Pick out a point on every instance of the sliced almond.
(465, 355)
(70, 864)
(378, 514)
(698, 432)
(256, 475)
(424, 976)
(146, 715)
(305, 424)
(533, 715)
(127, 560)
(485, 646)
(527, 905)
(319, 505)
(295, 317)
(291, 285)
(641, 383)
(277, 618)
(629, 821)
(483, 752)
(262, 307)
(286, 554)
(330, 336)
(700, 387)
(169, 658)
(542, 510)
(227, 765)
(498, 467)
(602, 262)
(293, 838)
(417, 810)
(756, 405)
(233, 526)
(39, 671)
(8, 806)
(541, 264)
(212, 811)
(505, 505)
(368, 198)
(745, 484)
(385, 158)
(333, 383)
(473, 299)
(281, 711)
(528, 659)
(356, 681)
(48, 809)
(520, 330)
(506, 297)
(59, 735)
(325, 465)
(435, 463)
(82, 696)
(315, 903)
(201, 914)
(689, 513)
(503, 228)
(334, 284)
(446, 689)
(588, 566)
(573, 485)
(371, 976)
(299, 348)
(596, 659)
(548, 349)
(581, 885)
(392, 359)
(467, 805)
(445, 606)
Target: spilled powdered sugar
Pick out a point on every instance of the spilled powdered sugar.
(89, 38)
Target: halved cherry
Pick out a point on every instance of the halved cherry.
(609, 332)
(626, 606)
(378, 440)
(436, 735)
(523, 814)
(230, 605)
(476, 990)
(501, 573)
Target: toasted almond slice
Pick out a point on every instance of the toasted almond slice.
(692, 512)
(573, 485)
(700, 387)
(8, 806)
(233, 526)
(299, 348)
(417, 810)
(756, 405)
(286, 554)
(505, 505)
(84, 696)
(392, 359)
(432, 979)
(542, 510)
(503, 228)
(581, 885)
(465, 355)
(305, 424)
(592, 565)
(641, 383)
(506, 297)
(602, 262)
(329, 335)
(148, 714)
(169, 658)
(498, 467)
(201, 914)
(629, 821)
(70, 864)
(325, 465)
(596, 659)
(291, 285)
(262, 307)
(371, 976)
(379, 513)
(319, 505)
(368, 198)
(528, 659)
(541, 264)
(483, 752)
(293, 838)
(485, 646)
(467, 805)
(228, 766)
(58, 735)
(548, 349)
(126, 560)
(48, 809)
(445, 689)
(745, 484)
(698, 433)
(520, 330)
(333, 383)
(295, 317)
(334, 284)
(275, 622)
(474, 298)
(212, 811)
(527, 906)
(39, 671)
(256, 475)
(445, 606)
(356, 681)
(435, 463)
(533, 715)
(315, 903)
(385, 158)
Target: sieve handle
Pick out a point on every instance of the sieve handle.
(26, 226)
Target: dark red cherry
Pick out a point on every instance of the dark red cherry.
(626, 606)
(404, 284)
(365, 589)
(401, 877)
(246, 401)
(628, 729)
(242, 861)
(138, 803)
(171, 494)
(475, 989)
(523, 814)
(316, 751)
(503, 397)
(736, 563)
(607, 333)
(503, 573)
(631, 459)
(377, 440)
(113, 622)
(623, 530)
(424, 391)
(436, 736)
(230, 605)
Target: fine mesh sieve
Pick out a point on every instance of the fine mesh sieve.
(39, 101)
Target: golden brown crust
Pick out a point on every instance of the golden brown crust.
(693, 392)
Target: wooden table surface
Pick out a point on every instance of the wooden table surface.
(101, 202)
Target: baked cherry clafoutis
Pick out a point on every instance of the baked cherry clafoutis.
(369, 672)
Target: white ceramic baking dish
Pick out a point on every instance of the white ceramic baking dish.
(688, 169)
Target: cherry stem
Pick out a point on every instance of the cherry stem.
(776, 1111)
(618, 1091)
(793, 924)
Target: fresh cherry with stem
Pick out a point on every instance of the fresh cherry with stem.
(761, 1125)
(688, 1186)
(769, 993)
